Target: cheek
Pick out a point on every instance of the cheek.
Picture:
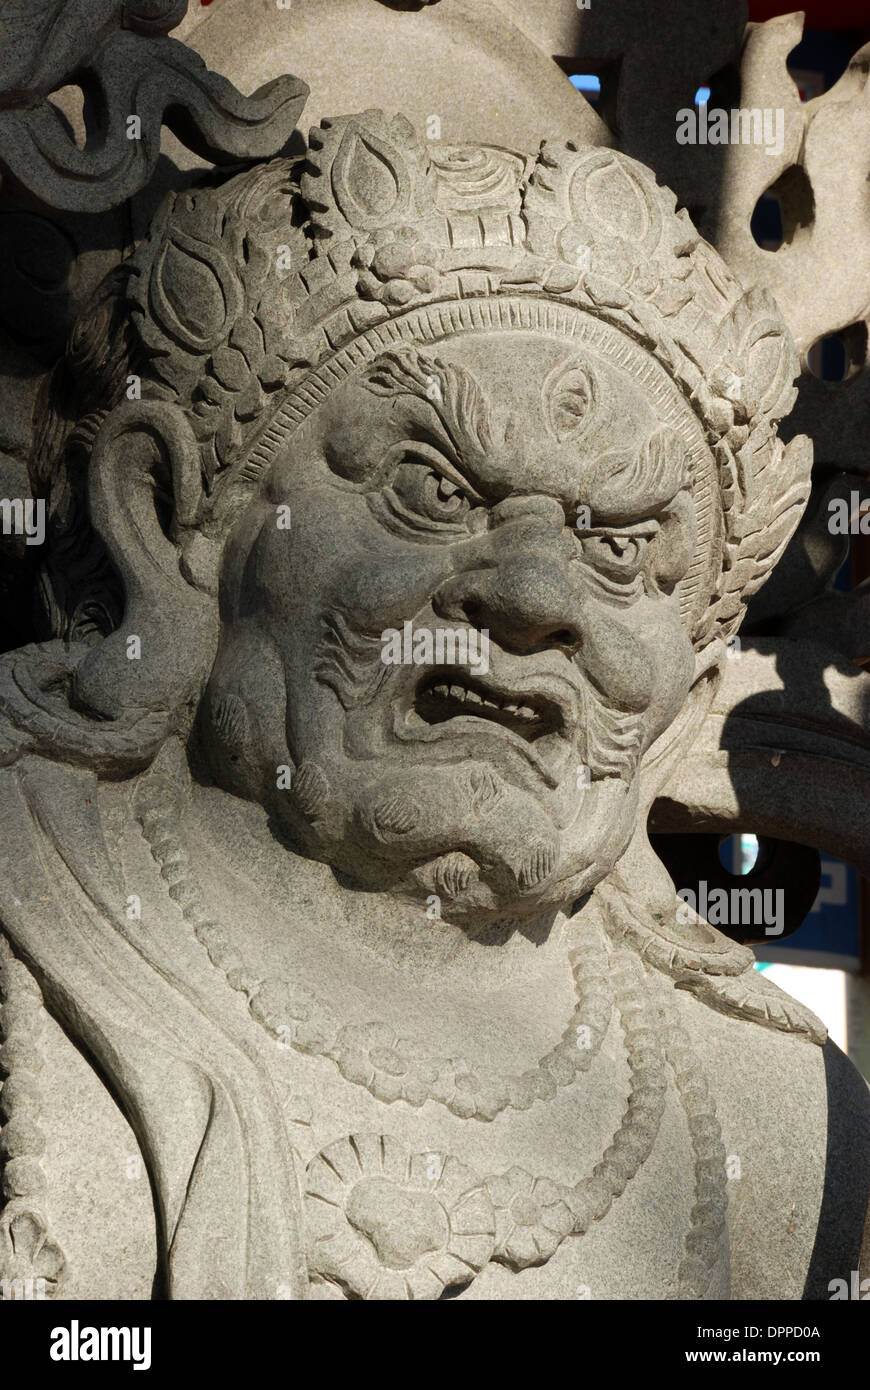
(671, 653)
(673, 548)
(336, 556)
(383, 590)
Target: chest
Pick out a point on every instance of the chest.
(591, 1194)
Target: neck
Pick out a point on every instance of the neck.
(334, 970)
(297, 898)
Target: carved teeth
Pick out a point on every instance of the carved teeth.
(465, 695)
(441, 703)
(521, 712)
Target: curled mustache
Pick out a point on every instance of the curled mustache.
(611, 736)
(348, 662)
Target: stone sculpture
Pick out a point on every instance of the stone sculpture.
(130, 71)
(382, 990)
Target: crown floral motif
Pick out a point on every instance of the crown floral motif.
(245, 289)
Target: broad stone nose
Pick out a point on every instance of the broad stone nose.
(524, 596)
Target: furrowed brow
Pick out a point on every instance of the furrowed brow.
(627, 487)
(459, 414)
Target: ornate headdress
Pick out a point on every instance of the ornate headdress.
(252, 299)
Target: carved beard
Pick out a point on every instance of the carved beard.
(462, 830)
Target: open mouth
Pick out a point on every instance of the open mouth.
(531, 716)
(538, 724)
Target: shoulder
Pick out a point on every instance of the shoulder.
(79, 1215)
(795, 1120)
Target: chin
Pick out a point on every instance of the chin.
(485, 900)
(484, 848)
(517, 883)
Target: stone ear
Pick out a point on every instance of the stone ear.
(144, 492)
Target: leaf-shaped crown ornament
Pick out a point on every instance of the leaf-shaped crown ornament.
(254, 296)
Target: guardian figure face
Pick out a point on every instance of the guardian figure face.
(510, 490)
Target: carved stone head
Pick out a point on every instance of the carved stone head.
(448, 473)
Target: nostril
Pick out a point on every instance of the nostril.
(563, 638)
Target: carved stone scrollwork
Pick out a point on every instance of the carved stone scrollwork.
(133, 78)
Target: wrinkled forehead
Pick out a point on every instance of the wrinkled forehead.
(554, 414)
(532, 375)
(558, 371)
(574, 384)
(563, 405)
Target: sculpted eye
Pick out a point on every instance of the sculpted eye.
(568, 397)
(428, 493)
(626, 549)
(619, 557)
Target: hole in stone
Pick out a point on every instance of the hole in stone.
(589, 83)
(70, 102)
(724, 88)
(841, 355)
(784, 210)
(599, 88)
(739, 854)
(766, 224)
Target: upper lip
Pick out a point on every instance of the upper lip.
(537, 710)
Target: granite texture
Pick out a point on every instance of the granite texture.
(404, 497)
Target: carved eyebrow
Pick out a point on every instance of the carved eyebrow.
(461, 413)
(628, 486)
